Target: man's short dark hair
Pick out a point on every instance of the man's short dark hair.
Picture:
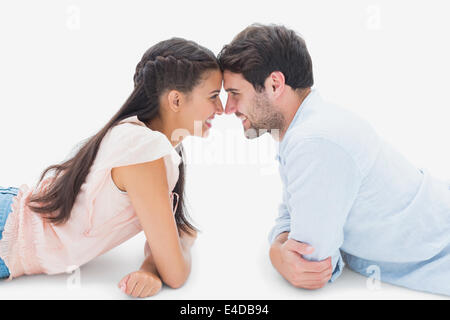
(259, 50)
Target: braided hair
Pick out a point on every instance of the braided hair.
(174, 64)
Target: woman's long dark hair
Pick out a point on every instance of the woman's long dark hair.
(174, 64)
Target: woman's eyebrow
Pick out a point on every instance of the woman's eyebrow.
(215, 91)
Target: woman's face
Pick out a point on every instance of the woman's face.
(202, 104)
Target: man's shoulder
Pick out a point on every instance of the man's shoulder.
(333, 123)
(332, 127)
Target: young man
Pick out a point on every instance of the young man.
(348, 195)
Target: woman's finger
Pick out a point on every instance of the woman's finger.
(130, 285)
(154, 290)
(146, 292)
(138, 289)
(123, 283)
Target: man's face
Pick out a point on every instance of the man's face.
(257, 113)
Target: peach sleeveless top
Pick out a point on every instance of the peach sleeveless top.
(102, 216)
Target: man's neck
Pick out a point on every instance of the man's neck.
(293, 102)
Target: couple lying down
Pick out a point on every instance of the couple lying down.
(349, 198)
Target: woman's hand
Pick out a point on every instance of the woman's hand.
(140, 284)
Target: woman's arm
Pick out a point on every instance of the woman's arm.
(147, 187)
(143, 283)
(187, 241)
(146, 281)
(148, 265)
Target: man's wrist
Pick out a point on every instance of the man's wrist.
(281, 238)
(275, 249)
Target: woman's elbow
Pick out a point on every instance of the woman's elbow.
(177, 279)
(176, 282)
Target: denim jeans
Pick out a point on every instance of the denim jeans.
(6, 197)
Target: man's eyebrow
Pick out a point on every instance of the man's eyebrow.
(231, 90)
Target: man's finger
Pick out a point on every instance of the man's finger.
(312, 285)
(299, 247)
(317, 276)
(316, 266)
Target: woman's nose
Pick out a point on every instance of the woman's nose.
(219, 108)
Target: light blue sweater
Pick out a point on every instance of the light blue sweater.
(349, 194)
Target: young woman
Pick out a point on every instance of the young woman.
(126, 178)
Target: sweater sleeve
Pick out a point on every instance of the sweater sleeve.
(322, 182)
(283, 220)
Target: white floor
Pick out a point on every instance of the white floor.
(233, 190)
(215, 275)
(230, 258)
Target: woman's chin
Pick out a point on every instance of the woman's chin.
(201, 131)
(205, 131)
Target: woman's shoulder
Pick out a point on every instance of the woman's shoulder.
(131, 128)
(131, 142)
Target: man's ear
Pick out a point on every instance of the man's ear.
(275, 84)
(174, 98)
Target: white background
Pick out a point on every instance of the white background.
(67, 66)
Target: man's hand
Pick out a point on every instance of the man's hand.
(140, 284)
(286, 256)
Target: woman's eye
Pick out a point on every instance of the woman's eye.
(214, 97)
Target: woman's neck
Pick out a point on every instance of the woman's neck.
(157, 124)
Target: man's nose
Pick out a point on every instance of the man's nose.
(230, 107)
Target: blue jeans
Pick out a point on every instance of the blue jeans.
(6, 197)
